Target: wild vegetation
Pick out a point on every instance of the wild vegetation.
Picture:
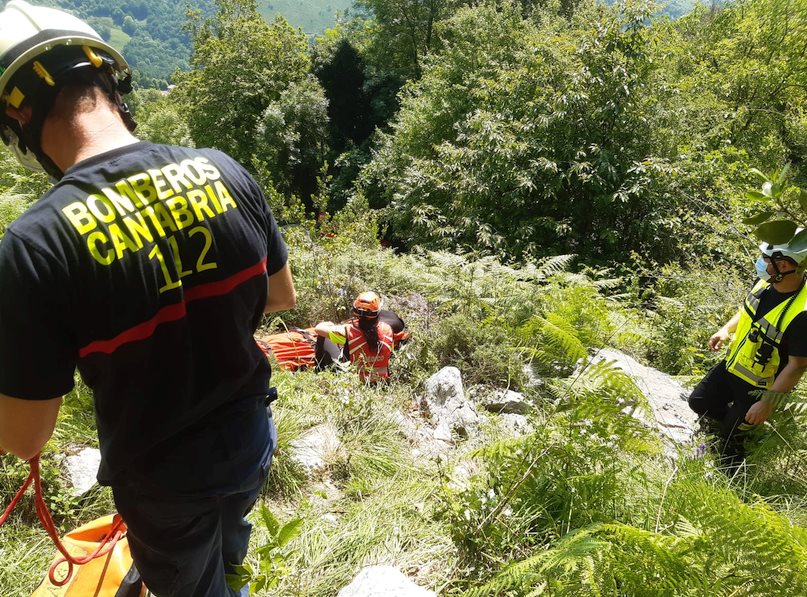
(526, 183)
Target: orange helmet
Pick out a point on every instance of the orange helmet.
(367, 304)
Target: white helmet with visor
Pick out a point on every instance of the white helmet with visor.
(784, 251)
(41, 49)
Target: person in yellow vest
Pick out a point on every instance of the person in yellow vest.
(767, 350)
(367, 341)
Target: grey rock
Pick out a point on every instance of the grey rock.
(82, 469)
(506, 401)
(666, 397)
(443, 432)
(383, 581)
(445, 387)
(316, 448)
(517, 424)
(422, 436)
(533, 381)
(445, 403)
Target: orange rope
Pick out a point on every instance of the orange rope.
(106, 545)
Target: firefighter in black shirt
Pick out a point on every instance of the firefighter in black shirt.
(147, 268)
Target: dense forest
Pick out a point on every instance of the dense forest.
(527, 182)
(152, 35)
(610, 133)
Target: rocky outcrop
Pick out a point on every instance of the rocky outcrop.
(383, 581)
(446, 407)
(666, 397)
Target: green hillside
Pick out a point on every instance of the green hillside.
(312, 17)
(150, 33)
(564, 201)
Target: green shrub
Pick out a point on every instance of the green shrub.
(485, 351)
(687, 307)
(576, 469)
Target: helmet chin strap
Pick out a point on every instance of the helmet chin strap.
(31, 134)
(779, 275)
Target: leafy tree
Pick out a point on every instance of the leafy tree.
(780, 210)
(362, 97)
(405, 31)
(103, 25)
(159, 117)
(19, 188)
(292, 137)
(739, 72)
(129, 25)
(244, 76)
(524, 139)
(343, 79)
(477, 43)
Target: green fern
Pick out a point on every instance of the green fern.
(749, 546)
(571, 472)
(552, 341)
(595, 561)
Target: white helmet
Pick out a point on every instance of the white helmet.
(784, 250)
(40, 50)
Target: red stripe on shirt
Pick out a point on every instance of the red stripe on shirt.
(173, 312)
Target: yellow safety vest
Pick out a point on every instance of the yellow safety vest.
(753, 354)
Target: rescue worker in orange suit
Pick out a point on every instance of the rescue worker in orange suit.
(366, 341)
(767, 351)
(148, 268)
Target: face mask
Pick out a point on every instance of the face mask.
(762, 270)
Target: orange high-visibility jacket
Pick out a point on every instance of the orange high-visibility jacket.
(372, 365)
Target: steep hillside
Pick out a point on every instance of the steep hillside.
(313, 17)
(150, 32)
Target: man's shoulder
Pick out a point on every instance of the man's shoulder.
(143, 154)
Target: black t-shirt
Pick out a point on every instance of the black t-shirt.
(146, 268)
(794, 340)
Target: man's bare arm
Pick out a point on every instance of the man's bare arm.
(784, 382)
(722, 335)
(281, 295)
(26, 425)
(323, 328)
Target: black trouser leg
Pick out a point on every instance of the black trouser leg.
(725, 398)
(712, 395)
(733, 428)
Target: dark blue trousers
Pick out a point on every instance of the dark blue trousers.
(184, 545)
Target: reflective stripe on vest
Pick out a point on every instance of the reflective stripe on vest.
(370, 363)
(743, 358)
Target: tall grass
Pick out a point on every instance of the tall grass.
(585, 504)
